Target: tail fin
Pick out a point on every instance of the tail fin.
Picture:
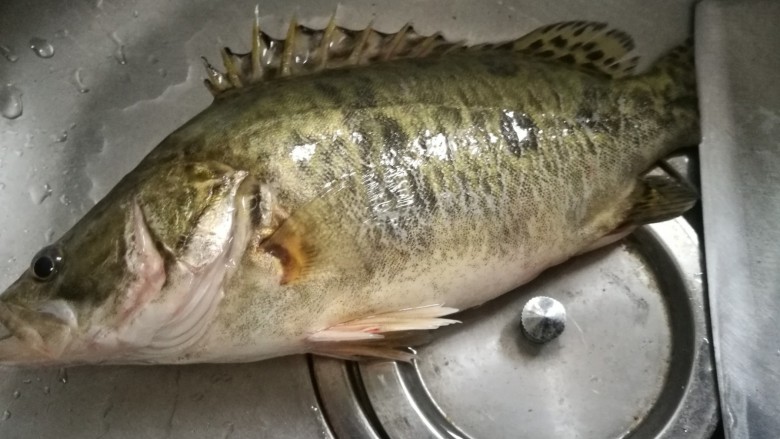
(675, 72)
(673, 79)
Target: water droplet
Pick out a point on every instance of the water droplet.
(99, 4)
(17, 394)
(62, 33)
(60, 138)
(49, 236)
(163, 73)
(135, 13)
(8, 53)
(64, 200)
(10, 101)
(2, 186)
(19, 152)
(119, 53)
(46, 390)
(78, 79)
(41, 47)
(27, 381)
(6, 415)
(39, 194)
(62, 375)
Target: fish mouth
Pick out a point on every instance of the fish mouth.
(30, 337)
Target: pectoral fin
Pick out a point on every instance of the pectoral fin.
(312, 242)
(380, 335)
(293, 247)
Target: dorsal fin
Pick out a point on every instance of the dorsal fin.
(305, 50)
(591, 45)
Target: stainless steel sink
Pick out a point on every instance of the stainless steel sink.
(634, 361)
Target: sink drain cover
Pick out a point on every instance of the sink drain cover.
(634, 359)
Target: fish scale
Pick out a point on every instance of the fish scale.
(348, 187)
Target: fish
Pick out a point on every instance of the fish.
(348, 191)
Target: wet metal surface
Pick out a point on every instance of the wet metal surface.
(738, 43)
(636, 360)
(120, 76)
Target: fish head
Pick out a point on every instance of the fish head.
(107, 289)
(74, 286)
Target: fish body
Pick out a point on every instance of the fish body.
(325, 212)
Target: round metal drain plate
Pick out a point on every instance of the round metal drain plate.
(633, 361)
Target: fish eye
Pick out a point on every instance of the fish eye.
(46, 264)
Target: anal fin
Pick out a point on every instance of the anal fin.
(659, 198)
(361, 351)
(380, 335)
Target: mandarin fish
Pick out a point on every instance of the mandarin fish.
(347, 190)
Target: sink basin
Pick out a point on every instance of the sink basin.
(634, 360)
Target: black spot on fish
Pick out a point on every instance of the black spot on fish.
(568, 59)
(519, 132)
(500, 65)
(558, 42)
(609, 61)
(588, 46)
(546, 53)
(595, 55)
(536, 45)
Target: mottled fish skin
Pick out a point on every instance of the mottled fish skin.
(494, 163)
(434, 181)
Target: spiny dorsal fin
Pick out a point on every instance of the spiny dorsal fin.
(591, 45)
(305, 50)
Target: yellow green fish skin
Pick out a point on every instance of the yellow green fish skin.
(360, 191)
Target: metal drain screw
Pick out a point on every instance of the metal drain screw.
(543, 319)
